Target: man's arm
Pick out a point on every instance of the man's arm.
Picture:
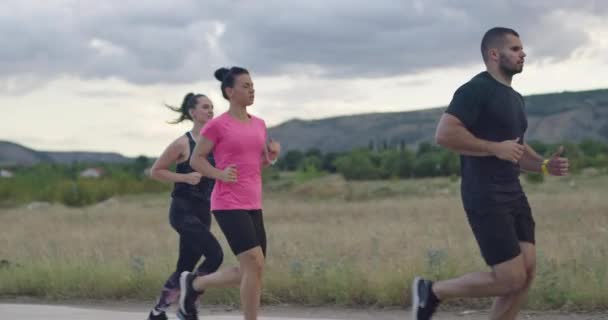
(451, 133)
(530, 161)
(556, 165)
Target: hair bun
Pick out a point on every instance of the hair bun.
(221, 73)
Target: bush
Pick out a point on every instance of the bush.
(535, 177)
(62, 184)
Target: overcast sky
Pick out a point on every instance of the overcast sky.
(93, 75)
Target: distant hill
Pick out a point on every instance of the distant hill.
(12, 154)
(555, 117)
(552, 118)
(88, 157)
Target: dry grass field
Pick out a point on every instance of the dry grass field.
(330, 242)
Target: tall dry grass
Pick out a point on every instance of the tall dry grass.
(329, 242)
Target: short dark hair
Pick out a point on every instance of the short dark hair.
(493, 38)
(227, 77)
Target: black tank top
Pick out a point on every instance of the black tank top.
(201, 191)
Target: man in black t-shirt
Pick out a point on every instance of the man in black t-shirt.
(486, 123)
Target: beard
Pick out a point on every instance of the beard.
(508, 68)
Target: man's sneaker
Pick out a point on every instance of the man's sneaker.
(155, 315)
(424, 301)
(187, 298)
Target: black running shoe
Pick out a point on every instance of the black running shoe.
(424, 301)
(155, 315)
(187, 298)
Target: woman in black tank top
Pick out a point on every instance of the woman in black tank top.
(189, 213)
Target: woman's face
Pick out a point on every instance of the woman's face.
(243, 93)
(202, 111)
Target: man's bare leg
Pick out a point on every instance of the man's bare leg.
(508, 306)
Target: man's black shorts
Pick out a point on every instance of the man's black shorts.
(499, 229)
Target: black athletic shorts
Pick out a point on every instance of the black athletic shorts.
(499, 229)
(243, 229)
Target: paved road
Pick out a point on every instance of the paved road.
(22, 311)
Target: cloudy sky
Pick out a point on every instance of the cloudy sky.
(93, 75)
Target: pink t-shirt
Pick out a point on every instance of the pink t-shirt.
(242, 144)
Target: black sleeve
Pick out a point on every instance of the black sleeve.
(467, 103)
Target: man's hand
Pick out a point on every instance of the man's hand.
(557, 165)
(508, 150)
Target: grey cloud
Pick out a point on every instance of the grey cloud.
(414, 82)
(184, 41)
(394, 38)
(141, 135)
(102, 93)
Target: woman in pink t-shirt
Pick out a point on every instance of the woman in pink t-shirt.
(238, 141)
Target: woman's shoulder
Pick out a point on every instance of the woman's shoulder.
(178, 147)
(220, 118)
(215, 121)
(257, 119)
(180, 141)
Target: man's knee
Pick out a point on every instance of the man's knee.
(530, 273)
(512, 276)
(513, 280)
(529, 255)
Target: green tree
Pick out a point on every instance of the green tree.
(397, 164)
(291, 160)
(428, 165)
(357, 165)
(592, 148)
(427, 147)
